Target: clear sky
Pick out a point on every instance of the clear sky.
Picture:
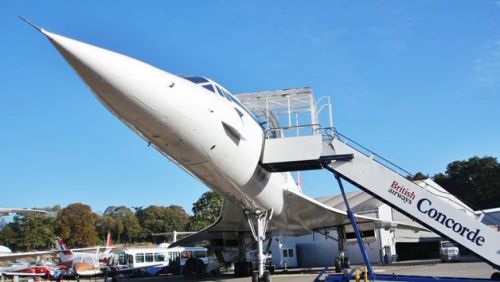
(416, 81)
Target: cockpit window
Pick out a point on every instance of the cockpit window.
(209, 87)
(220, 91)
(196, 79)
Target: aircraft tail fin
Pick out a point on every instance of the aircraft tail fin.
(62, 247)
(109, 241)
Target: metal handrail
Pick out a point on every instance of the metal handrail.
(369, 153)
(335, 134)
(313, 127)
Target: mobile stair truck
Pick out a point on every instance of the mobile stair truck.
(296, 141)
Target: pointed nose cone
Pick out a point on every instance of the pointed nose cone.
(121, 83)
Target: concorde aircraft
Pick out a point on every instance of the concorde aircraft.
(202, 128)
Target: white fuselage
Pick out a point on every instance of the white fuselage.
(208, 135)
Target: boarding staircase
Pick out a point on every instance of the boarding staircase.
(314, 147)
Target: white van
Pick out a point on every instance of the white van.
(449, 252)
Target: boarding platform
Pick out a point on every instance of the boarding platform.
(300, 135)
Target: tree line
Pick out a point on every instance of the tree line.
(476, 181)
(79, 226)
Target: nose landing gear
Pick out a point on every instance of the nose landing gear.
(258, 223)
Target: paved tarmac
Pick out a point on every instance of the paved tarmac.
(424, 268)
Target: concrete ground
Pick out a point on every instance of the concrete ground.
(424, 268)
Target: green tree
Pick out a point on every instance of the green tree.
(206, 210)
(9, 235)
(157, 219)
(31, 231)
(122, 223)
(77, 225)
(476, 181)
(36, 231)
(418, 176)
(106, 224)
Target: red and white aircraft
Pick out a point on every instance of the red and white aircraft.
(84, 263)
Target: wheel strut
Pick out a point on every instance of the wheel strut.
(258, 223)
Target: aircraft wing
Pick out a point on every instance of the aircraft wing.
(14, 256)
(7, 211)
(24, 274)
(303, 215)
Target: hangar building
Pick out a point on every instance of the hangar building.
(383, 246)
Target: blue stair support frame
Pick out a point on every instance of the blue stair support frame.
(371, 274)
(384, 277)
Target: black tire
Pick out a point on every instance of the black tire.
(338, 265)
(495, 276)
(255, 276)
(239, 269)
(193, 267)
(249, 269)
(267, 276)
(346, 263)
(174, 267)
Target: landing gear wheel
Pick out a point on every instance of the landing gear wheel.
(243, 268)
(338, 265)
(248, 269)
(345, 263)
(267, 276)
(255, 276)
(495, 276)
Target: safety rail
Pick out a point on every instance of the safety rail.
(333, 133)
(330, 133)
(300, 130)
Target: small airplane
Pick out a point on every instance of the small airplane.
(78, 261)
(204, 129)
(84, 263)
(34, 269)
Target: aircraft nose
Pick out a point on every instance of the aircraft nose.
(126, 86)
(154, 103)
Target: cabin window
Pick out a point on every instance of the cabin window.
(130, 259)
(159, 257)
(186, 255)
(288, 253)
(121, 259)
(200, 254)
(149, 257)
(175, 256)
(139, 258)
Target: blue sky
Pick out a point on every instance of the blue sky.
(416, 81)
